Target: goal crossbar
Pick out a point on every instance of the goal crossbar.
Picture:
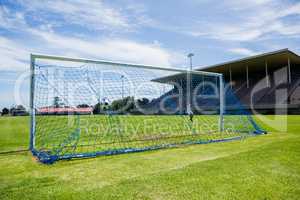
(119, 64)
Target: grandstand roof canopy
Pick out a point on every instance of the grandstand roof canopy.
(274, 59)
(171, 79)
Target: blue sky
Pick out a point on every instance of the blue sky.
(147, 32)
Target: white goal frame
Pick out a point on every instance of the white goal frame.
(35, 57)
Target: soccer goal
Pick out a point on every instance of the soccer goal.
(85, 108)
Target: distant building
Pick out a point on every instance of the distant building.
(64, 110)
(18, 111)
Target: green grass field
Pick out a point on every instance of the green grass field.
(262, 167)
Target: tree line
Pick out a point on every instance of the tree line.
(124, 105)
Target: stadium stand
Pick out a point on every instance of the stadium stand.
(268, 82)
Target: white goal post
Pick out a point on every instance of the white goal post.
(69, 97)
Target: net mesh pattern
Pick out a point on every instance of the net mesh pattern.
(87, 109)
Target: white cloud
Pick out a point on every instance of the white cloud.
(252, 20)
(9, 19)
(43, 39)
(15, 56)
(226, 32)
(92, 15)
(12, 55)
(110, 48)
(246, 4)
(243, 51)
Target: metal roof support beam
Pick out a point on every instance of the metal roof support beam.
(289, 71)
(222, 104)
(188, 92)
(247, 74)
(267, 74)
(230, 77)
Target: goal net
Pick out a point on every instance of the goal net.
(85, 108)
